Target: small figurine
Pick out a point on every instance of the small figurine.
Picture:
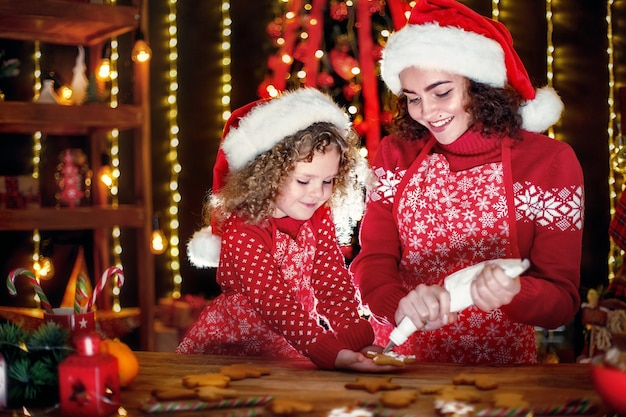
(89, 383)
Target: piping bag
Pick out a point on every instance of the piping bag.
(458, 285)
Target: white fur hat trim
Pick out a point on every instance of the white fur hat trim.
(446, 48)
(543, 111)
(270, 122)
(203, 249)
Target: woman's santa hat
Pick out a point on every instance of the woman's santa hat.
(252, 130)
(448, 36)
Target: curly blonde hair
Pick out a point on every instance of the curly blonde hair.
(252, 191)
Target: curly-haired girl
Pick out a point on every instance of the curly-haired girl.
(286, 291)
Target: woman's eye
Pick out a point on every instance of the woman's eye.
(413, 100)
(442, 95)
(302, 182)
(329, 181)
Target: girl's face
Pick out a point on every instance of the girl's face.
(309, 186)
(437, 100)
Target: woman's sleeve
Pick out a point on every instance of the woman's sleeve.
(550, 235)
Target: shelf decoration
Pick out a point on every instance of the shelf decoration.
(80, 82)
(73, 178)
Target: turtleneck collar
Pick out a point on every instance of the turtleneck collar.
(470, 150)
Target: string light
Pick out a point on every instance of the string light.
(114, 149)
(175, 167)
(614, 251)
(549, 53)
(226, 60)
(495, 9)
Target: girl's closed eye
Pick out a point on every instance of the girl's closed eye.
(444, 94)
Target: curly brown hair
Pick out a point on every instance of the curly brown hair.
(252, 191)
(493, 112)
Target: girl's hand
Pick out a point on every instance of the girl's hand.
(356, 361)
(428, 307)
(492, 288)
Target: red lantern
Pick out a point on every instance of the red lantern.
(89, 381)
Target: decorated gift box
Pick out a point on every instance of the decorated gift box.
(19, 192)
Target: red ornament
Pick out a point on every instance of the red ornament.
(324, 79)
(89, 381)
(275, 28)
(361, 128)
(338, 11)
(342, 63)
(375, 6)
(350, 90)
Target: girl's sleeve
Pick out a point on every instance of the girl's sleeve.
(375, 267)
(337, 298)
(550, 235)
(249, 252)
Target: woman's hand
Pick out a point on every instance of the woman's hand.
(357, 361)
(492, 288)
(428, 307)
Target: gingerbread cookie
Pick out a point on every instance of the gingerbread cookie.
(174, 394)
(482, 382)
(372, 385)
(203, 380)
(398, 399)
(453, 408)
(287, 407)
(431, 389)
(459, 394)
(209, 393)
(390, 358)
(509, 400)
(241, 371)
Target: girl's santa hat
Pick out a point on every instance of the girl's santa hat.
(252, 130)
(448, 36)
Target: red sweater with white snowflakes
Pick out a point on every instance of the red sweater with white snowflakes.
(543, 183)
(279, 281)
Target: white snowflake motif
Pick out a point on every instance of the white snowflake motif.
(553, 209)
(387, 182)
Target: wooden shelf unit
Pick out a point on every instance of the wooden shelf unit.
(72, 23)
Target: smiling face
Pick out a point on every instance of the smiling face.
(309, 186)
(437, 100)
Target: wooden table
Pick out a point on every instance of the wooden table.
(541, 385)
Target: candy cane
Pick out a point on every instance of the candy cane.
(33, 280)
(114, 270)
(173, 406)
(80, 294)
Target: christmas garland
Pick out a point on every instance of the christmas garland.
(32, 359)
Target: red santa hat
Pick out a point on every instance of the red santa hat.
(446, 35)
(252, 130)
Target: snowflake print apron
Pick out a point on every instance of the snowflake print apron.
(230, 324)
(447, 221)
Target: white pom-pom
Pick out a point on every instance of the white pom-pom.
(203, 249)
(541, 112)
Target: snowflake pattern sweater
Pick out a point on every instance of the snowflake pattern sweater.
(286, 292)
(439, 208)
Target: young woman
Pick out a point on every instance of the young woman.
(466, 177)
(286, 291)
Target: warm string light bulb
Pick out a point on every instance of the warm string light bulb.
(141, 51)
(175, 167)
(615, 147)
(158, 242)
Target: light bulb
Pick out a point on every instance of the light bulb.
(44, 268)
(141, 51)
(158, 242)
(104, 70)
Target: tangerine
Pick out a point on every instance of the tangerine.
(126, 359)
